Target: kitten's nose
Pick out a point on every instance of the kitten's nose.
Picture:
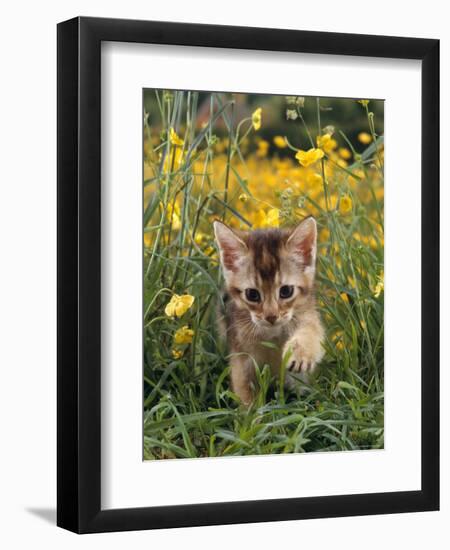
(271, 319)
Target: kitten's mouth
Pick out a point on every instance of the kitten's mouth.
(262, 323)
(266, 324)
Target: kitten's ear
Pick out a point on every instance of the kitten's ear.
(303, 242)
(231, 247)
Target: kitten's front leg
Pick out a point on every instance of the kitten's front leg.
(243, 378)
(305, 347)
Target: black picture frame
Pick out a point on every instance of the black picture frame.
(79, 280)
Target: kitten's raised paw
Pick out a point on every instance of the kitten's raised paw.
(302, 366)
(300, 359)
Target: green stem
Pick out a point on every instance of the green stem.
(230, 145)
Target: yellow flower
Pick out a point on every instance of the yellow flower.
(174, 161)
(345, 153)
(173, 215)
(280, 142)
(326, 143)
(178, 305)
(267, 219)
(338, 340)
(364, 138)
(331, 275)
(174, 138)
(256, 118)
(364, 102)
(344, 297)
(176, 223)
(314, 179)
(273, 217)
(177, 353)
(345, 205)
(199, 238)
(306, 158)
(324, 234)
(212, 253)
(380, 286)
(263, 147)
(259, 218)
(243, 197)
(147, 239)
(183, 335)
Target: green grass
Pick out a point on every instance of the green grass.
(189, 410)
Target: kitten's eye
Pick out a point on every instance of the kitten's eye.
(286, 291)
(252, 295)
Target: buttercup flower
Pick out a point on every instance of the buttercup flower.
(338, 339)
(173, 214)
(263, 148)
(344, 153)
(326, 143)
(178, 305)
(174, 138)
(199, 238)
(345, 205)
(280, 142)
(177, 353)
(183, 335)
(147, 239)
(306, 158)
(256, 118)
(340, 345)
(314, 179)
(212, 253)
(380, 286)
(174, 161)
(243, 197)
(271, 218)
(364, 138)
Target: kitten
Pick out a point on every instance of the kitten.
(269, 296)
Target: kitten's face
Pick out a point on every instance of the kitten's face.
(269, 272)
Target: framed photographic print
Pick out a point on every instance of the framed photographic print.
(248, 259)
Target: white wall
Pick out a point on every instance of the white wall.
(28, 269)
